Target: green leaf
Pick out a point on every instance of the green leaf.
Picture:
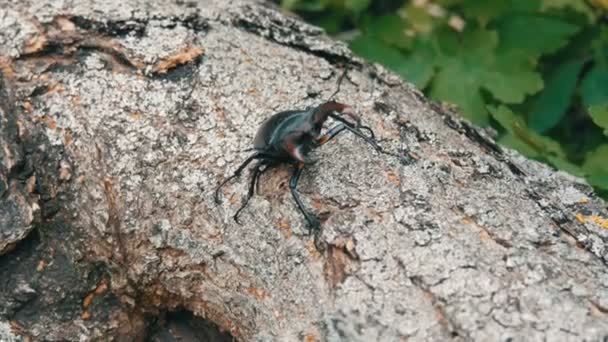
(331, 24)
(551, 148)
(289, 4)
(475, 65)
(597, 160)
(448, 3)
(458, 83)
(511, 77)
(543, 146)
(376, 51)
(599, 46)
(356, 6)
(416, 67)
(536, 35)
(305, 5)
(507, 119)
(388, 28)
(418, 18)
(530, 143)
(599, 115)
(551, 105)
(484, 11)
(530, 6)
(596, 167)
(512, 5)
(599, 180)
(513, 142)
(594, 87)
(577, 5)
(561, 163)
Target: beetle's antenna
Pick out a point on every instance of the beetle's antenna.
(339, 83)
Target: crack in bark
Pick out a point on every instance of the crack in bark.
(597, 306)
(469, 219)
(137, 26)
(113, 222)
(477, 136)
(567, 225)
(61, 40)
(342, 261)
(272, 25)
(555, 213)
(184, 101)
(444, 320)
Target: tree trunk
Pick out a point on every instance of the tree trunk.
(120, 118)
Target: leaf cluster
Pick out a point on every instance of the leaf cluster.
(536, 70)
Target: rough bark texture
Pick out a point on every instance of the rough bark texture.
(119, 119)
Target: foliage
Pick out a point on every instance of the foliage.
(536, 70)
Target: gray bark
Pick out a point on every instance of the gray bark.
(119, 119)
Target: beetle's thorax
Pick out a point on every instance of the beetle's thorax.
(320, 113)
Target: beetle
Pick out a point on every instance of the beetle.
(287, 138)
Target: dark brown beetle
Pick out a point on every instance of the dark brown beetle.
(288, 137)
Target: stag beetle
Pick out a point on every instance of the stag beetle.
(287, 138)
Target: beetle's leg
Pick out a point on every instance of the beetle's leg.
(356, 129)
(313, 222)
(371, 133)
(237, 173)
(254, 179)
(341, 127)
(262, 171)
(331, 133)
(293, 184)
(364, 137)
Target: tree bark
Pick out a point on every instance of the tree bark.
(120, 118)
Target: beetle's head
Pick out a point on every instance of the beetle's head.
(322, 112)
(349, 111)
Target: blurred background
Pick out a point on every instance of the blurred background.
(534, 70)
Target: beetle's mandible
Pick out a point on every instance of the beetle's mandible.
(288, 137)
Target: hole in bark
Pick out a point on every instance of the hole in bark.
(184, 326)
